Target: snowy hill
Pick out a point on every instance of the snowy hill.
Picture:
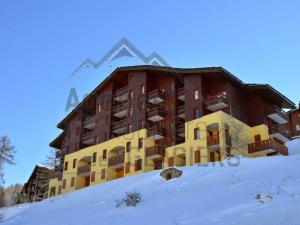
(260, 191)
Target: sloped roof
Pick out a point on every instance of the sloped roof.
(267, 89)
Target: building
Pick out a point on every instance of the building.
(294, 124)
(142, 118)
(36, 188)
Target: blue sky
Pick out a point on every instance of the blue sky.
(42, 42)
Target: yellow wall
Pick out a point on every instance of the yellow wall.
(215, 121)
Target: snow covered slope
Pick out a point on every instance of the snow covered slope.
(260, 191)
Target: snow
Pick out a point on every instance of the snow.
(243, 191)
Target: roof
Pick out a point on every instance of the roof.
(175, 71)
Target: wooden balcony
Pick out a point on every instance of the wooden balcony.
(120, 110)
(180, 129)
(156, 96)
(155, 152)
(156, 114)
(213, 142)
(116, 161)
(267, 146)
(120, 127)
(180, 93)
(180, 111)
(59, 154)
(156, 133)
(217, 102)
(280, 133)
(121, 94)
(88, 138)
(89, 122)
(84, 170)
(278, 115)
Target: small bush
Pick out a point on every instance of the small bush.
(131, 199)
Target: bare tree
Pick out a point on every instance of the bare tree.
(237, 132)
(7, 152)
(51, 158)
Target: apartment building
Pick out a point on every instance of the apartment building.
(142, 118)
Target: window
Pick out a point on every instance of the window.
(94, 157)
(99, 107)
(141, 143)
(143, 89)
(257, 138)
(66, 166)
(93, 175)
(103, 174)
(138, 165)
(128, 146)
(196, 93)
(59, 189)
(298, 127)
(197, 113)
(129, 128)
(127, 167)
(72, 181)
(171, 161)
(130, 111)
(74, 163)
(104, 153)
(64, 184)
(196, 133)
(197, 156)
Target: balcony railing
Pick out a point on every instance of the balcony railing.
(180, 128)
(277, 114)
(213, 140)
(121, 94)
(116, 161)
(181, 112)
(280, 132)
(180, 93)
(120, 110)
(120, 127)
(155, 152)
(267, 146)
(156, 132)
(217, 102)
(89, 122)
(156, 96)
(84, 170)
(156, 114)
(59, 154)
(88, 137)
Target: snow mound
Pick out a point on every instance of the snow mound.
(294, 147)
(240, 191)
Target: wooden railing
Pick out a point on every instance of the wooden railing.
(116, 160)
(88, 120)
(120, 107)
(277, 129)
(213, 140)
(156, 130)
(88, 135)
(214, 99)
(119, 124)
(180, 110)
(267, 144)
(180, 91)
(84, 169)
(121, 91)
(156, 111)
(277, 110)
(155, 150)
(156, 93)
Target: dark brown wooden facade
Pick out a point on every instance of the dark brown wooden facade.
(294, 123)
(36, 188)
(162, 99)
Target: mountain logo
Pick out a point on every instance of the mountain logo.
(122, 48)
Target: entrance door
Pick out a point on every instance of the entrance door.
(87, 181)
(212, 156)
(157, 164)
